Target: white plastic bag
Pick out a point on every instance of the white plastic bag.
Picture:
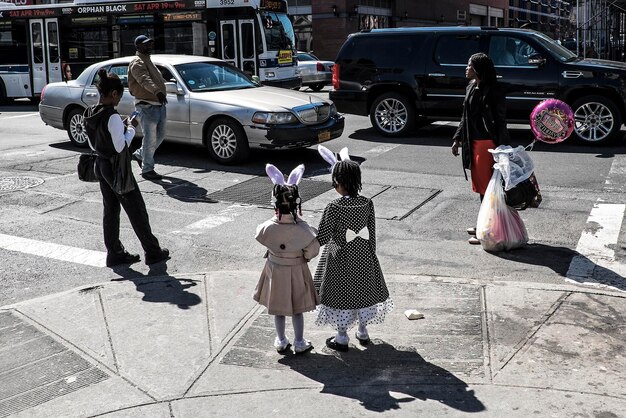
(515, 164)
(499, 227)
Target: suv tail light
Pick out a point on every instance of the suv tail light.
(43, 91)
(336, 77)
(320, 67)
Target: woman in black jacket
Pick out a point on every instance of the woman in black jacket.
(483, 125)
(109, 136)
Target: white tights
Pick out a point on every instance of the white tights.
(297, 321)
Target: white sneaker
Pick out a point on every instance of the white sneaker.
(281, 345)
(302, 346)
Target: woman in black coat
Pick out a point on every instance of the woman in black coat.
(483, 125)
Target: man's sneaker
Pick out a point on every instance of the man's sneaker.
(281, 345)
(473, 241)
(162, 255)
(302, 346)
(115, 259)
(151, 175)
(135, 158)
(471, 231)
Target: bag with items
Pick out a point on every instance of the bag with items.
(123, 181)
(517, 168)
(499, 227)
(86, 167)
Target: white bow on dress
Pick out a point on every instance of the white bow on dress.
(363, 233)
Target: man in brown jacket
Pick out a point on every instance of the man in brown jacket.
(147, 85)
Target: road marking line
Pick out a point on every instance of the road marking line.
(55, 251)
(594, 246)
(227, 215)
(20, 116)
(381, 149)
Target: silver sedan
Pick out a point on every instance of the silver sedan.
(210, 103)
(314, 72)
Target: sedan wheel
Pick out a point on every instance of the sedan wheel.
(597, 120)
(76, 128)
(392, 115)
(227, 142)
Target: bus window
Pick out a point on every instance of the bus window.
(53, 42)
(228, 34)
(37, 36)
(13, 43)
(276, 36)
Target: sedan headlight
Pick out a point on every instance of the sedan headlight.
(333, 109)
(273, 118)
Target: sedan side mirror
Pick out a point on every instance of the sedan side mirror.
(171, 87)
(537, 59)
(256, 80)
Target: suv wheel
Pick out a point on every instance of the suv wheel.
(597, 120)
(392, 115)
(76, 128)
(227, 142)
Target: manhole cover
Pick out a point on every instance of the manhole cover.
(11, 184)
(258, 191)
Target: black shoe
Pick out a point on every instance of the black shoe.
(114, 259)
(362, 341)
(331, 343)
(151, 175)
(135, 158)
(162, 255)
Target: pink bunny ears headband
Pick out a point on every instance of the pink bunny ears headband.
(278, 178)
(330, 157)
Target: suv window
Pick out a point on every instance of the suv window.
(509, 51)
(456, 49)
(389, 51)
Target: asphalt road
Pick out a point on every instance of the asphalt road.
(423, 202)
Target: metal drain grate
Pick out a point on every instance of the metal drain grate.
(258, 190)
(34, 368)
(11, 184)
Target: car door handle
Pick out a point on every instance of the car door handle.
(91, 94)
(436, 75)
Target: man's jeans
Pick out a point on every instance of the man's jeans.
(152, 120)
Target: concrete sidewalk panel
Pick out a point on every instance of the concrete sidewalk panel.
(400, 401)
(579, 348)
(75, 316)
(158, 410)
(513, 314)
(229, 296)
(159, 331)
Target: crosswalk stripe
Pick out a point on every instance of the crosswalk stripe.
(19, 116)
(595, 246)
(54, 251)
(213, 221)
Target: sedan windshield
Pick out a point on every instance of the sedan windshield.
(208, 76)
(558, 51)
(305, 57)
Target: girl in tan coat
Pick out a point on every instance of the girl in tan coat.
(286, 286)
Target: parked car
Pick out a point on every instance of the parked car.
(314, 72)
(210, 103)
(402, 76)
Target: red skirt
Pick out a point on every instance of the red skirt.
(482, 164)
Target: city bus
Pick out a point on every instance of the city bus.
(40, 44)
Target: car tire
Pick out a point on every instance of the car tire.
(75, 126)
(597, 120)
(316, 87)
(227, 142)
(392, 115)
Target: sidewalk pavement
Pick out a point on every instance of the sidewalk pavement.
(197, 345)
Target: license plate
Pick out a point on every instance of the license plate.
(323, 136)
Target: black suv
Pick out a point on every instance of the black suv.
(402, 77)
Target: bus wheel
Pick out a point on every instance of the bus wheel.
(227, 142)
(76, 128)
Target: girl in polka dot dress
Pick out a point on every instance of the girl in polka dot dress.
(286, 286)
(349, 279)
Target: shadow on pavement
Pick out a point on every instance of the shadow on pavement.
(160, 289)
(370, 376)
(559, 259)
(184, 190)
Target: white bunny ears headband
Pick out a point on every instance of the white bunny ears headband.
(330, 157)
(278, 178)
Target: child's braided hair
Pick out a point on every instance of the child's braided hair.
(348, 174)
(287, 200)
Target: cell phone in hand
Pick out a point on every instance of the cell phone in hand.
(133, 116)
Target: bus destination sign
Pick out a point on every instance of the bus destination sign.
(98, 9)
